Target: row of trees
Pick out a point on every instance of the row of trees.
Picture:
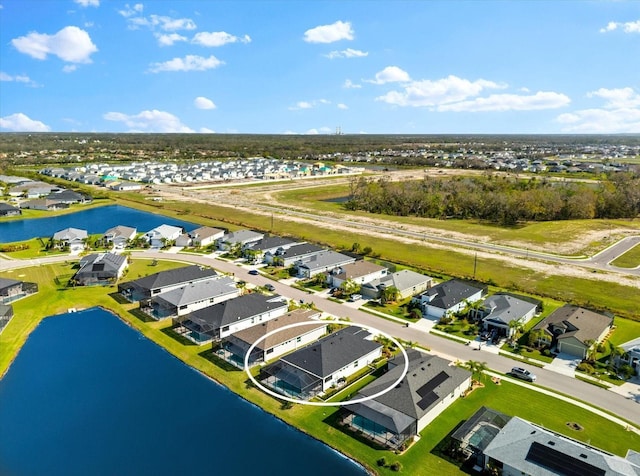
(501, 199)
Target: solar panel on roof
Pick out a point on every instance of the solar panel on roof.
(432, 384)
(427, 401)
(561, 463)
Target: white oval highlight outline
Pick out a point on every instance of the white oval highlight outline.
(373, 330)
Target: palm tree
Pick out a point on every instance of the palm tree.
(476, 368)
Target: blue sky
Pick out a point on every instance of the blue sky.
(309, 67)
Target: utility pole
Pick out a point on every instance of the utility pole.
(475, 265)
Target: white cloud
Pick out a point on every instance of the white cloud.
(391, 74)
(627, 27)
(202, 102)
(510, 102)
(427, 93)
(329, 33)
(130, 11)
(188, 63)
(348, 84)
(88, 3)
(348, 53)
(169, 39)
(149, 121)
(21, 78)
(308, 104)
(70, 44)
(206, 130)
(342, 106)
(312, 132)
(218, 38)
(619, 114)
(20, 122)
(69, 68)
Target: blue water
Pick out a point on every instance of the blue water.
(87, 395)
(94, 220)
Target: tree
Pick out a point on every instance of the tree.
(515, 328)
(350, 286)
(389, 294)
(476, 368)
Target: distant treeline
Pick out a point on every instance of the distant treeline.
(499, 199)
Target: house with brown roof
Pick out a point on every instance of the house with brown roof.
(574, 330)
(360, 272)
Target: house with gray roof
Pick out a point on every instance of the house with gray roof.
(522, 447)
(73, 238)
(6, 313)
(7, 210)
(12, 290)
(223, 319)
(429, 387)
(162, 235)
(315, 368)
(257, 250)
(119, 236)
(235, 346)
(322, 262)
(449, 297)
(359, 272)
(239, 239)
(100, 269)
(191, 297)
(574, 330)
(69, 197)
(632, 354)
(43, 204)
(296, 253)
(502, 311)
(407, 282)
(149, 286)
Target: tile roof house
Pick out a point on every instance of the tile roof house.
(360, 272)
(501, 309)
(7, 210)
(119, 236)
(449, 297)
(191, 297)
(234, 315)
(148, 286)
(100, 269)
(407, 282)
(162, 235)
(429, 387)
(574, 330)
(73, 238)
(522, 447)
(312, 370)
(322, 262)
(277, 344)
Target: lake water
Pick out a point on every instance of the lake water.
(87, 395)
(94, 220)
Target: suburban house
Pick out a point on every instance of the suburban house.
(149, 286)
(312, 370)
(407, 282)
(522, 447)
(256, 251)
(574, 330)
(7, 210)
(12, 290)
(6, 313)
(73, 238)
(632, 354)
(119, 236)
(44, 204)
(238, 239)
(162, 235)
(228, 317)
(125, 186)
(190, 297)
(205, 236)
(69, 197)
(235, 346)
(449, 297)
(288, 256)
(429, 387)
(360, 272)
(322, 262)
(100, 269)
(502, 312)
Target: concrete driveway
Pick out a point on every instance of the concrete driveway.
(564, 364)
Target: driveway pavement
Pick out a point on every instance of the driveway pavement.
(564, 364)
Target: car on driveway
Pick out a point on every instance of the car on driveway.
(522, 374)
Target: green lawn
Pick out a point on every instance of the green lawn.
(625, 330)
(631, 259)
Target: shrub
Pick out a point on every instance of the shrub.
(586, 367)
(382, 462)
(396, 466)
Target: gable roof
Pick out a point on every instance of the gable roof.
(4, 206)
(402, 280)
(252, 334)
(8, 283)
(205, 232)
(237, 309)
(333, 352)
(577, 322)
(428, 380)
(175, 276)
(325, 259)
(534, 450)
(70, 234)
(198, 291)
(242, 236)
(120, 231)
(448, 294)
(302, 249)
(357, 270)
(166, 231)
(271, 242)
(505, 308)
(101, 262)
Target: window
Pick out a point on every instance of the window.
(355, 364)
(225, 328)
(299, 339)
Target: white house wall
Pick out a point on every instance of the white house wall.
(252, 321)
(352, 368)
(443, 405)
(293, 344)
(189, 308)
